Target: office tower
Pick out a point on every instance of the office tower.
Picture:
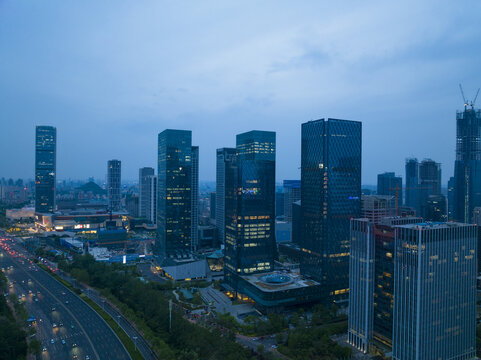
(279, 204)
(412, 184)
(430, 176)
(225, 187)
(390, 184)
(249, 240)
(292, 193)
(296, 222)
(467, 167)
(376, 207)
(434, 208)
(132, 204)
(174, 188)
(331, 196)
(144, 190)
(45, 168)
(450, 197)
(195, 199)
(371, 286)
(361, 284)
(113, 184)
(152, 199)
(435, 291)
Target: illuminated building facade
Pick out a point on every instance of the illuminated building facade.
(226, 180)
(194, 226)
(250, 215)
(144, 191)
(45, 168)
(113, 184)
(292, 193)
(434, 315)
(174, 211)
(371, 280)
(467, 167)
(331, 196)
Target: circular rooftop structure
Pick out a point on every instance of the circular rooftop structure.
(276, 279)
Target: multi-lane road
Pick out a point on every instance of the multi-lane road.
(67, 327)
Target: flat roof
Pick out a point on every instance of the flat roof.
(296, 281)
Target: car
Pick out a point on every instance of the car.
(44, 349)
(53, 308)
(74, 345)
(60, 324)
(87, 357)
(36, 299)
(52, 341)
(274, 347)
(63, 341)
(66, 302)
(54, 325)
(255, 339)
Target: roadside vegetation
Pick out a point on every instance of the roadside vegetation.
(146, 304)
(13, 336)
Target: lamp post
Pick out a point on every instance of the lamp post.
(135, 342)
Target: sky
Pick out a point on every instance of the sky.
(111, 75)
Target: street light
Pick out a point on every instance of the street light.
(103, 304)
(135, 342)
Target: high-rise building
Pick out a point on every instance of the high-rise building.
(435, 291)
(152, 199)
(331, 196)
(296, 222)
(250, 245)
(412, 184)
(451, 197)
(195, 199)
(144, 190)
(45, 168)
(467, 167)
(434, 208)
(376, 207)
(225, 187)
(279, 204)
(174, 205)
(113, 184)
(361, 284)
(390, 184)
(292, 193)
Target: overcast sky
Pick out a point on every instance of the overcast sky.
(110, 75)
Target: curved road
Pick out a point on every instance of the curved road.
(61, 314)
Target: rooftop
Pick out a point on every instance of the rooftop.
(279, 281)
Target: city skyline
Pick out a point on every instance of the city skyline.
(397, 71)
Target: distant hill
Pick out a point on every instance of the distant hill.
(92, 187)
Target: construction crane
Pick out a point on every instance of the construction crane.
(466, 102)
(396, 194)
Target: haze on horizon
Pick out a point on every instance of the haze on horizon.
(112, 75)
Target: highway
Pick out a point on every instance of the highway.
(67, 327)
(140, 343)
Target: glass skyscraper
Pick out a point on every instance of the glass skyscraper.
(331, 196)
(250, 215)
(467, 168)
(435, 291)
(175, 184)
(194, 223)
(113, 184)
(387, 184)
(45, 168)
(226, 180)
(145, 187)
(412, 184)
